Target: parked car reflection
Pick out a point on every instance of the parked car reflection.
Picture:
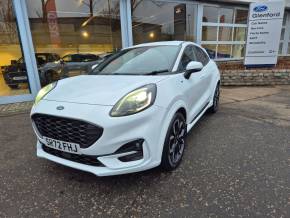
(51, 67)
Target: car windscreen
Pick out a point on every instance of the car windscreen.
(140, 61)
(41, 59)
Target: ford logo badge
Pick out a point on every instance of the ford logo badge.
(60, 108)
(260, 8)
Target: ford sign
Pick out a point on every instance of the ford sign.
(261, 8)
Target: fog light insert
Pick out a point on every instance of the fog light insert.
(135, 146)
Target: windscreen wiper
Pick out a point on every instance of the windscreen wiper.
(155, 72)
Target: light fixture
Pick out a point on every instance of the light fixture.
(85, 34)
(151, 35)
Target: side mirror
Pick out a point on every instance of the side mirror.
(13, 62)
(94, 66)
(192, 67)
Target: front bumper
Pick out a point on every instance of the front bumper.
(15, 78)
(118, 131)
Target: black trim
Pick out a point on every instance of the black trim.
(200, 112)
(79, 158)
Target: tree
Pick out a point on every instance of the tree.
(90, 4)
(8, 27)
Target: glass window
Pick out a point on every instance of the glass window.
(225, 34)
(238, 51)
(188, 55)
(209, 33)
(224, 51)
(288, 52)
(13, 73)
(201, 56)
(241, 16)
(210, 49)
(240, 34)
(226, 15)
(78, 31)
(210, 14)
(162, 21)
(141, 60)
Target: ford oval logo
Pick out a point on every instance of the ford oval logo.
(60, 108)
(261, 8)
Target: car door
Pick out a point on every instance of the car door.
(206, 76)
(192, 87)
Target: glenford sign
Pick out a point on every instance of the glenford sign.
(264, 30)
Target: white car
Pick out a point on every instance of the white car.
(131, 113)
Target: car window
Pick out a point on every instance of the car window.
(88, 58)
(76, 58)
(41, 59)
(51, 58)
(55, 57)
(201, 56)
(20, 61)
(140, 60)
(187, 56)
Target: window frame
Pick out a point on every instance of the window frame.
(286, 40)
(218, 25)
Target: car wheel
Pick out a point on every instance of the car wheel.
(13, 86)
(174, 143)
(216, 99)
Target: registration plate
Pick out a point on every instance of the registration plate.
(20, 78)
(62, 145)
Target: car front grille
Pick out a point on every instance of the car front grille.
(68, 130)
(84, 159)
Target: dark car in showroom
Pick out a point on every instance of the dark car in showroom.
(16, 74)
(50, 68)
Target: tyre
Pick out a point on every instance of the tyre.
(174, 144)
(14, 86)
(216, 99)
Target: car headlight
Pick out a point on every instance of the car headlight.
(44, 91)
(135, 101)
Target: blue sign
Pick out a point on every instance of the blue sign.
(260, 8)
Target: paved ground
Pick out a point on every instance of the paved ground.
(237, 164)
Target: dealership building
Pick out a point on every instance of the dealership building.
(36, 32)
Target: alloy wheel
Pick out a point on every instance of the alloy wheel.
(216, 97)
(176, 141)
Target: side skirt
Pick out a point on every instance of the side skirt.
(198, 116)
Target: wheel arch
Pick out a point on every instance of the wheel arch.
(178, 106)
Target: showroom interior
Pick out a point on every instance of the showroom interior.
(39, 38)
